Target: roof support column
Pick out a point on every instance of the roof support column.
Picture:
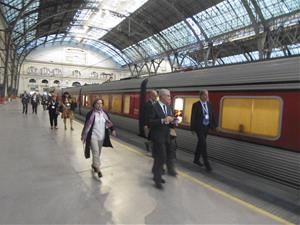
(13, 74)
(252, 17)
(8, 46)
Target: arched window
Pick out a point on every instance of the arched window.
(32, 70)
(76, 73)
(45, 71)
(106, 76)
(56, 82)
(45, 82)
(32, 81)
(94, 75)
(76, 84)
(57, 72)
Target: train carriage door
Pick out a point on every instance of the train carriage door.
(142, 98)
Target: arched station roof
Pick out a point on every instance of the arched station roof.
(130, 31)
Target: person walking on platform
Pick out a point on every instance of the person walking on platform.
(160, 121)
(68, 106)
(45, 101)
(53, 106)
(34, 102)
(202, 118)
(25, 101)
(95, 133)
(148, 109)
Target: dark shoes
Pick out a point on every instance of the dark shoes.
(162, 181)
(158, 185)
(163, 171)
(208, 169)
(97, 171)
(147, 146)
(100, 174)
(172, 173)
(198, 163)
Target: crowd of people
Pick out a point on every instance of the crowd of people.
(50, 102)
(159, 128)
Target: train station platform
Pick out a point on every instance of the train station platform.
(45, 179)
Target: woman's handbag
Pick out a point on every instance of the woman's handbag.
(87, 153)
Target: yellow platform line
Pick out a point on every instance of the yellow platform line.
(216, 190)
(220, 192)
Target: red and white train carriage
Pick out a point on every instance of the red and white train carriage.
(257, 106)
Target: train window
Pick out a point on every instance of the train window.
(93, 98)
(83, 97)
(105, 99)
(256, 116)
(126, 106)
(116, 103)
(187, 103)
(187, 109)
(87, 101)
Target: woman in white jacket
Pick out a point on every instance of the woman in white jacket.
(95, 133)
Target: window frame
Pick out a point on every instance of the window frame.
(123, 104)
(111, 103)
(252, 97)
(182, 124)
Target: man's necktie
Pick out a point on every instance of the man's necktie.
(165, 110)
(205, 115)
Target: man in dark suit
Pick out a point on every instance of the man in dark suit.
(202, 119)
(152, 94)
(25, 101)
(160, 121)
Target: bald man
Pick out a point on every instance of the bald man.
(152, 94)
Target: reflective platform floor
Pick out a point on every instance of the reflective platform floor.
(45, 179)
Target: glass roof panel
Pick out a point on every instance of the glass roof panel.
(234, 59)
(132, 53)
(255, 55)
(224, 17)
(100, 46)
(188, 62)
(12, 12)
(150, 45)
(109, 13)
(179, 35)
(294, 49)
(277, 52)
(274, 8)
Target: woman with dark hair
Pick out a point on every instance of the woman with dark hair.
(95, 133)
(68, 106)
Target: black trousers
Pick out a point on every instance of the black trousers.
(163, 152)
(34, 108)
(201, 149)
(53, 118)
(25, 107)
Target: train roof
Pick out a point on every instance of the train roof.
(281, 73)
(284, 70)
(71, 90)
(125, 85)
